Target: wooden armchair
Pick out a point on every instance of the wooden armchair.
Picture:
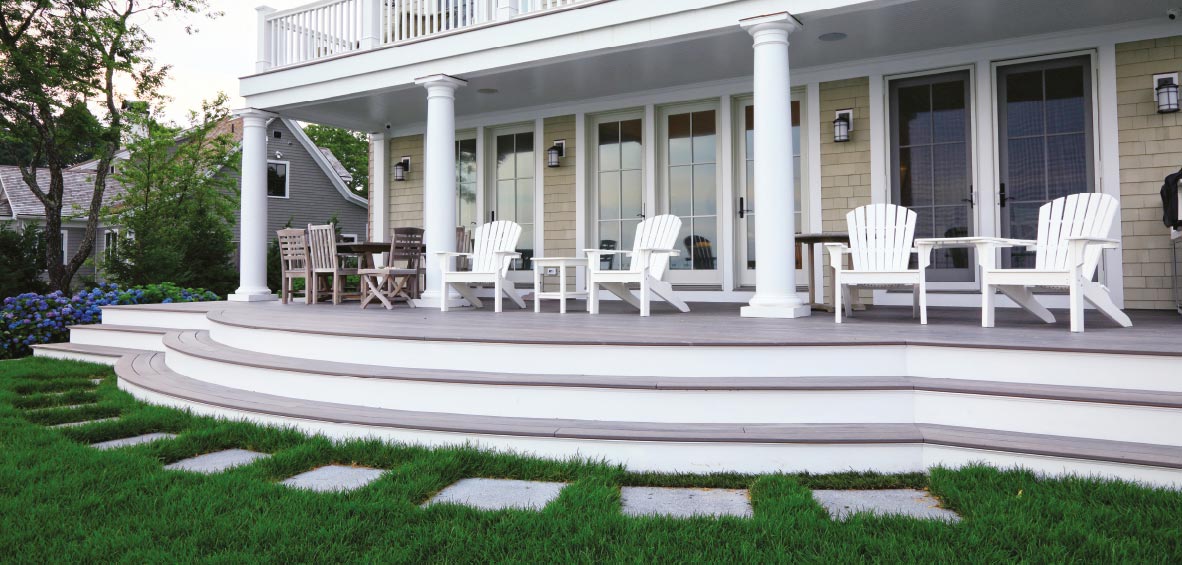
(293, 263)
(326, 264)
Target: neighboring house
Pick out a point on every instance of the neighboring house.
(972, 113)
(19, 206)
(306, 184)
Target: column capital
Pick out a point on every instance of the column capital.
(781, 22)
(435, 81)
(377, 136)
(254, 115)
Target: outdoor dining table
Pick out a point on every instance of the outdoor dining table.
(810, 241)
(364, 250)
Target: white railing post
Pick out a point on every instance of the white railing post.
(371, 23)
(265, 56)
(506, 9)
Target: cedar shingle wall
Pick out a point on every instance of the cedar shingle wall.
(845, 167)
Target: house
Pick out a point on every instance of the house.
(19, 207)
(305, 184)
(575, 118)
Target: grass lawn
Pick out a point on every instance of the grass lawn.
(61, 501)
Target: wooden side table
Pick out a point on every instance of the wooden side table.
(562, 264)
(810, 241)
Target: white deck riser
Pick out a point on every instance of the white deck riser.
(72, 356)
(1040, 416)
(155, 318)
(115, 338)
(703, 457)
(1137, 372)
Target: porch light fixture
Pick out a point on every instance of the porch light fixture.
(843, 125)
(1166, 92)
(555, 154)
(401, 168)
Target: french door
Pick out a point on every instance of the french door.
(745, 206)
(620, 199)
(1045, 142)
(931, 164)
(512, 190)
(466, 184)
(689, 189)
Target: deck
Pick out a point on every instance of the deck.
(708, 324)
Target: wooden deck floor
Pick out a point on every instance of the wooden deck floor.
(708, 324)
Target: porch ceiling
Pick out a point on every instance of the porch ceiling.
(874, 29)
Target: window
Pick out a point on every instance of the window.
(110, 243)
(65, 245)
(278, 134)
(277, 181)
(348, 238)
(466, 183)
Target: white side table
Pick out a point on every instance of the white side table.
(562, 264)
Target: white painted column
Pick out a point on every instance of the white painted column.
(439, 179)
(252, 240)
(775, 230)
(379, 189)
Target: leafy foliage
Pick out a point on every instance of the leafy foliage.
(22, 259)
(351, 148)
(32, 318)
(55, 57)
(177, 211)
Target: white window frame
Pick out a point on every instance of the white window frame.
(65, 245)
(489, 176)
(723, 244)
(592, 144)
(349, 238)
(286, 179)
(472, 135)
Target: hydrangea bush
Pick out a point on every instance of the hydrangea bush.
(31, 318)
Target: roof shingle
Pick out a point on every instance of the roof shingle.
(78, 190)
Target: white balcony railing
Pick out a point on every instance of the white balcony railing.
(334, 27)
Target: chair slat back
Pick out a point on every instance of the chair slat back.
(322, 248)
(657, 232)
(1087, 214)
(406, 247)
(463, 245)
(293, 250)
(488, 240)
(881, 236)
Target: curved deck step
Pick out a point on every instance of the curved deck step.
(198, 343)
(84, 352)
(122, 329)
(147, 371)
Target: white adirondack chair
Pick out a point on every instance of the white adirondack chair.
(1072, 235)
(881, 238)
(655, 238)
(492, 254)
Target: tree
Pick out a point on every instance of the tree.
(22, 257)
(177, 210)
(56, 56)
(351, 149)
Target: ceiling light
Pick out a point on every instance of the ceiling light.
(488, 91)
(832, 36)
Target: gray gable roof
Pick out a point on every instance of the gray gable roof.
(336, 165)
(78, 190)
(5, 209)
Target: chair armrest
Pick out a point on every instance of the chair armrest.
(1101, 241)
(606, 252)
(672, 252)
(451, 254)
(1077, 247)
(836, 250)
(504, 253)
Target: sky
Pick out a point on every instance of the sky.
(212, 59)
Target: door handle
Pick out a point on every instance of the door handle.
(492, 215)
(1001, 196)
(743, 211)
(972, 201)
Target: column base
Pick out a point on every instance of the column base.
(257, 296)
(776, 311)
(431, 300)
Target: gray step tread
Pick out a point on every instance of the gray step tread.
(198, 343)
(88, 349)
(148, 371)
(124, 329)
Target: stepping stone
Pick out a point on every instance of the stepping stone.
(685, 502)
(67, 407)
(97, 381)
(334, 478)
(842, 504)
(129, 441)
(83, 423)
(217, 461)
(498, 494)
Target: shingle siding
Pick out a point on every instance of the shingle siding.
(845, 167)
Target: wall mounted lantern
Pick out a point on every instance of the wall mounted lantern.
(843, 124)
(1165, 92)
(401, 168)
(555, 154)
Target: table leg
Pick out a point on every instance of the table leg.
(562, 289)
(537, 289)
(807, 260)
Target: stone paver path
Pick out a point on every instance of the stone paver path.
(83, 423)
(335, 478)
(841, 504)
(217, 461)
(684, 502)
(128, 441)
(499, 494)
(66, 407)
(97, 381)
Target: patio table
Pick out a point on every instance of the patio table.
(810, 241)
(562, 264)
(364, 250)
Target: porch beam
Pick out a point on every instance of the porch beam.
(775, 230)
(252, 238)
(439, 180)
